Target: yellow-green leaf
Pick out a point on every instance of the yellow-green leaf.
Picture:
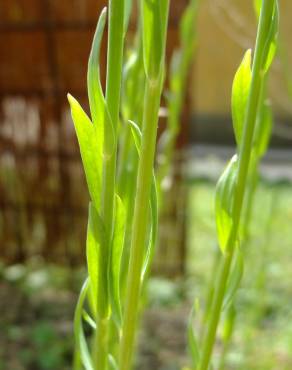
(89, 149)
(240, 93)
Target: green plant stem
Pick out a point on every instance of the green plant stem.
(113, 88)
(244, 159)
(140, 225)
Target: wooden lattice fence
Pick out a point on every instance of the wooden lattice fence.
(43, 198)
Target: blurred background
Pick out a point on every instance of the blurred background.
(44, 47)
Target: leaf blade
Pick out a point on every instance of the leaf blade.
(116, 258)
(89, 149)
(240, 92)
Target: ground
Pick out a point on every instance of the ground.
(38, 300)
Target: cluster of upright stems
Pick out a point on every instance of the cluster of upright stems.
(118, 145)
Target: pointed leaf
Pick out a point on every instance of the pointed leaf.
(98, 107)
(116, 258)
(137, 135)
(95, 93)
(272, 34)
(90, 151)
(271, 43)
(224, 201)
(240, 93)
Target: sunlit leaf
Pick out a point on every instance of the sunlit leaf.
(137, 135)
(240, 93)
(271, 42)
(89, 149)
(98, 107)
(95, 93)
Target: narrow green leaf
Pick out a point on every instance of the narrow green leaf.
(234, 279)
(95, 93)
(224, 200)
(271, 43)
(240, 93)
(137, 135)
(272, 34)
(81, 344)
(94, 244)
(116, 258)
(98, 107)
(90, 151)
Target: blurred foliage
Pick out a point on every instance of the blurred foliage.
(37, 300)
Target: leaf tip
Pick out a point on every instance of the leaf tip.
(70, 98)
